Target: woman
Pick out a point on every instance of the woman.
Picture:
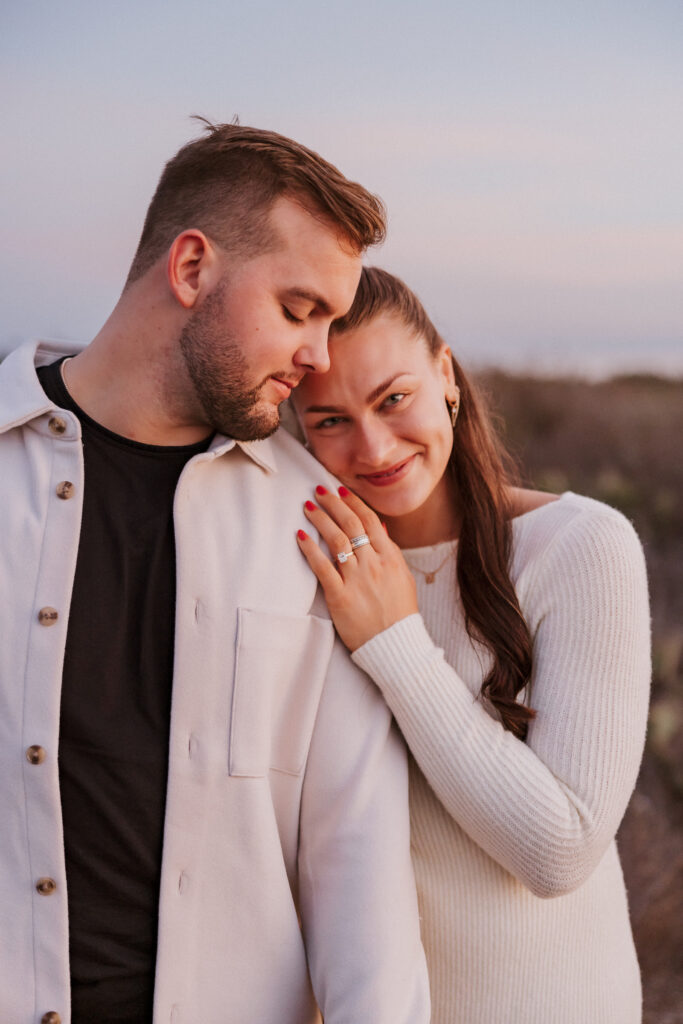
(520, 684)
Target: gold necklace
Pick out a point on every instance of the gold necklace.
(429, 576)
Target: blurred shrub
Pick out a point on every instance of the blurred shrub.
(619, 441)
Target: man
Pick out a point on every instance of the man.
(183, 743)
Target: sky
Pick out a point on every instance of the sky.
(530, 154)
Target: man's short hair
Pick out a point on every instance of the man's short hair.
(225, 183)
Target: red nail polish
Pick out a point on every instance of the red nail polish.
(320, 490)
(344, 491)
(310, 506)
(301, 535)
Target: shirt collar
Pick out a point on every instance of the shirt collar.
(260, 452)
(23, 398)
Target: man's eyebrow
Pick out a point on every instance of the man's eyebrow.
(373, 396)
(308, 296)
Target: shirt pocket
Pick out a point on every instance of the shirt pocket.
(280, 667)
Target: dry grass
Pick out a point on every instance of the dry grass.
(620, 441)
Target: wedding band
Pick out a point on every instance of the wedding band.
(344, 556)
(358, 542)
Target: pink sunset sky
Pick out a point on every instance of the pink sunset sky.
(530, 154)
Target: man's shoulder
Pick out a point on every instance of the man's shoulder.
(21, 396)
(293, 459)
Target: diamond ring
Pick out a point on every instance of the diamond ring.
(344, 556)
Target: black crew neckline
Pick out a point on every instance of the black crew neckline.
(66, 401)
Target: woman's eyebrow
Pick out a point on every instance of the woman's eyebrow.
(374, 394)
(323, 408)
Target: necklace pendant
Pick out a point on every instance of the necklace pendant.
(429, 577)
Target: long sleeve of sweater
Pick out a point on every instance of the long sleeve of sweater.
(545, 809)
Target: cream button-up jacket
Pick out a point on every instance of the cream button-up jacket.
(286, 877)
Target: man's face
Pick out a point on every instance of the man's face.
(266, 324)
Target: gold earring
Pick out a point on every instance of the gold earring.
(454, 406)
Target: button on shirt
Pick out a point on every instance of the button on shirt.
(115, 713)
(286, 811)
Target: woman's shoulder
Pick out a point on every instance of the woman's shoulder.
(532, 510)
(571, 530)
(524, 500)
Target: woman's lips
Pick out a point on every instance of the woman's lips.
(389, 476)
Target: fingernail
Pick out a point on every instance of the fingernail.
(344, 491)
(310, 506)
(320, 490)
(301, 535)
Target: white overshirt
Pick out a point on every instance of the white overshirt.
(286, 875)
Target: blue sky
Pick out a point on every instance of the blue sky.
(530, 154)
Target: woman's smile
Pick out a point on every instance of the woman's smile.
(379, 419)
(392, 475)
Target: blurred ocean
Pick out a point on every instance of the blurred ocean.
(594, 361)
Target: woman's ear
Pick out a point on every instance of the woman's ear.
(445, 360)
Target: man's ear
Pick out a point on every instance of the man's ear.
(191, 260)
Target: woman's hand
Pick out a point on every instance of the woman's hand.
(373, 588)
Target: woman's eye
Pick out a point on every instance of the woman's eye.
(290, 316)
(394, 399)
(329, 421)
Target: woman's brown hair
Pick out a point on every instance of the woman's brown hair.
(482, 472)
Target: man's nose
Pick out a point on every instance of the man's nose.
(314, 355)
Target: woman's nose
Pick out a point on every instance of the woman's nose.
(374, 443)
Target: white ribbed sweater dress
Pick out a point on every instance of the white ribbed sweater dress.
(523, 905)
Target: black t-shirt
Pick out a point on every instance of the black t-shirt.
(115, 712)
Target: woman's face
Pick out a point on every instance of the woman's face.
(379, 420)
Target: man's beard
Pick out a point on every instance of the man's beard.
(218, 371)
